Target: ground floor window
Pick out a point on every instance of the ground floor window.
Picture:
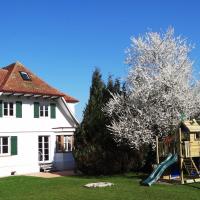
(64, 143)
(43, 148)
(4, 145)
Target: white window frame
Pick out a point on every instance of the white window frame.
(66, 143)
(8, 108)
(1, 146)
(49, 148)
(43, 106)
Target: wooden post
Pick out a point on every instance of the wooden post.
(157, 151)
(180, 157)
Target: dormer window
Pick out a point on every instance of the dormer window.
(25, 76)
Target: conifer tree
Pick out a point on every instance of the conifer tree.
(87, 151)
(95, 150)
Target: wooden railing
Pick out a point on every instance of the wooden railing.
(164, 149)
(189, 149)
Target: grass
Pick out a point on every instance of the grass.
(127, 187)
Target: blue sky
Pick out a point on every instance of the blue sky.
(62, 41)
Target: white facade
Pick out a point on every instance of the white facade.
(28, 130)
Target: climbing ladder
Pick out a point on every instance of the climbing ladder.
(190, 167)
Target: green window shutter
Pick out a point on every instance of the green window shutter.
(53, 110)
(13, 145)
(18, 109)
(36, 110)
(1, 109)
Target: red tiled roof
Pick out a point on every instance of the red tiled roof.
(3, 74)
(11, 81)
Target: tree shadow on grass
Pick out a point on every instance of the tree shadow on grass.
(195, 186)
(136, 176)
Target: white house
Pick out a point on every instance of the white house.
(37, 123)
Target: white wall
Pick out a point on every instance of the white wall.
(71, 106)
(28, 122)
(26, 160)
(27, 129)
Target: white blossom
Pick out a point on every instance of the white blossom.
(160, 90)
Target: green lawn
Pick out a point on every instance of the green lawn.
(126, 187)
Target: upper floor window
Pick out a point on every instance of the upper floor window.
(25, 76)
(11, 109)
(44, 110)
(8, 109)
(4, 145)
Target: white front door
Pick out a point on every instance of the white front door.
(43, 148)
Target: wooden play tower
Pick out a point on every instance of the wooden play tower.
(186, 144)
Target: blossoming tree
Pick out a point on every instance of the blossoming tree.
(160, 90)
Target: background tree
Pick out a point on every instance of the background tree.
(87, 151)
(159, 90)
(95, 150)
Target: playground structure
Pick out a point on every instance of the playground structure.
(182, 148)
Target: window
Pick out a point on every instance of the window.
(25, 76)
(64, 143)
(8, 109)
(197, 136)
(67, 143)
(59, 145)
(44, 110)
(4, 146)
(43, 148)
